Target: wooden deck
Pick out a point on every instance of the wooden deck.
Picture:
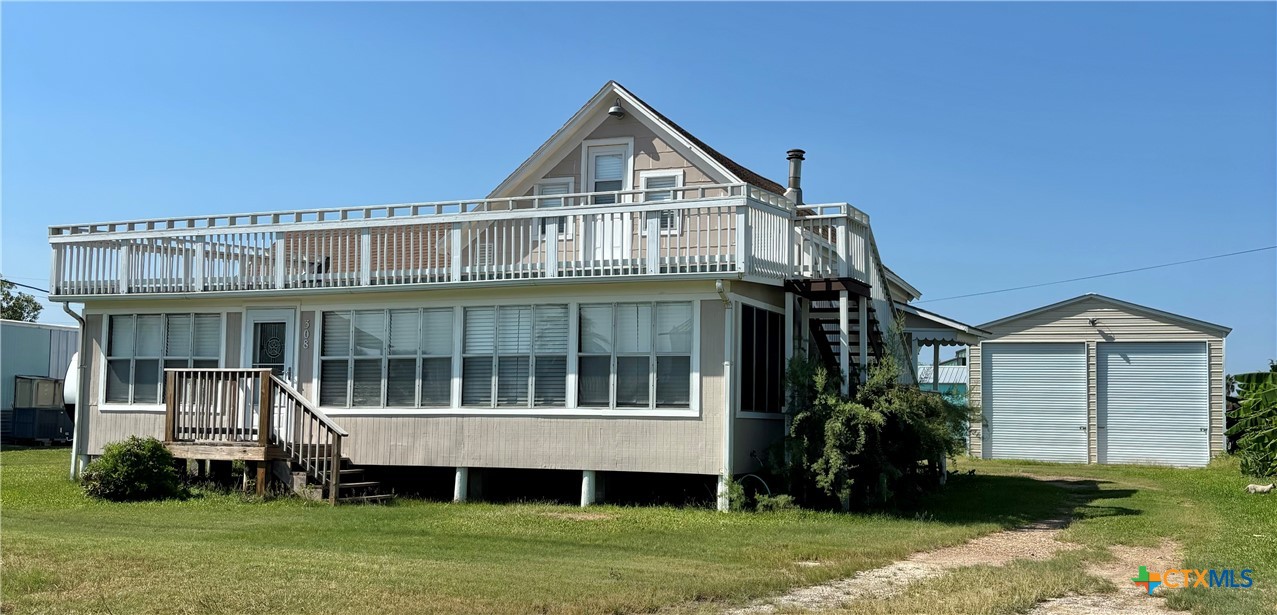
(251, 415)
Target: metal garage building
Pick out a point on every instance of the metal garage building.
(1099, 380)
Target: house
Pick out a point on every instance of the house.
(33, 362)
(1095, 379)
(624, 301)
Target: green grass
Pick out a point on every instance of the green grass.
(1206, 511)
(63, 553)
(219, 553)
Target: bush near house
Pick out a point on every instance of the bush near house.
(1255, 423)
(130, 470)
(881, 447)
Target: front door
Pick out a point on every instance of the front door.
(268, 341)
(268, 344)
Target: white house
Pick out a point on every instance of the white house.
(624, 301)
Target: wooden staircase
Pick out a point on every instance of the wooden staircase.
(252, 415)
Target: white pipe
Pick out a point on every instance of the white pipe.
(81, 395)
(728, 413)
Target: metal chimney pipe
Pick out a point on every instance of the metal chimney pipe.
(795, 190)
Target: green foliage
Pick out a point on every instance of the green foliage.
(775, 503)
(1255, 423)
(872, 449)
(133, 469)
(16, 305)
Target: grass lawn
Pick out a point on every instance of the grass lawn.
(218, 553)
(1206, 511)
(63, 553)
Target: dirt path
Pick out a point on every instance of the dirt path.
(1129, 598)
(1036, 542)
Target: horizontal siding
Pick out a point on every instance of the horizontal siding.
(975, 439)
(1071, 323)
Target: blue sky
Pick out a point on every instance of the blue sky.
(994, 145)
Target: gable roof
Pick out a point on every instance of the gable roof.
(1127, 305)
(736, 168)
(593, 112)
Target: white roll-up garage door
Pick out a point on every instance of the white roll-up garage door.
(1154, 403)
(1034, 401)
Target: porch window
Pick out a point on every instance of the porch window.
(141, 346)
(386, 358)
(660, 186)
(635, 355)
(515, 356)
(550, 188)
(761, 360)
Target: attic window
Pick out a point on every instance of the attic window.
(607, 172)
(653, 183)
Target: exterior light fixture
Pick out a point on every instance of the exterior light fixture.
(616, 111)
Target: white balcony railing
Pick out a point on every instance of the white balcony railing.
(727, 229)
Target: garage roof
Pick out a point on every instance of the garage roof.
(1208, 327)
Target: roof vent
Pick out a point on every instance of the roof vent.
(795, 190)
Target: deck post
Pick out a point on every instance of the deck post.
(365, 257)
(844, 339)
(261, 477)
(461, 485)
(862, 315)
(454, 260)
(334, 476)
(935, 366)
(587, 488)
(278, 254)
(170, 406)
(552, 231)
(124, 269)
(264, 408)
(197, 264)
(653, 242)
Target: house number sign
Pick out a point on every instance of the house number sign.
(305, 334)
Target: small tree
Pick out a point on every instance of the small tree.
(1255, 423)
(17, 305)
(868, 449)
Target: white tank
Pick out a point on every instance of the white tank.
(71, 385)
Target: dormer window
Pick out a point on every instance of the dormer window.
(607, 169)
(662, 185)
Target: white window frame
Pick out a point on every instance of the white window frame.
(623, 145)
(566, 230)
(652, 355)
(735, 403)
(591, 294)
(103, 339)
(384, 358)
(677, 174)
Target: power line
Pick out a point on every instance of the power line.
(1099, 275)
(24, 285)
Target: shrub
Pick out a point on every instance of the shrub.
(1255, 423)
(775, 503)
(884, 442)
(134, 469)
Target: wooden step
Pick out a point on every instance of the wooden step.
(351, 471)
(360, 484)
(367, 499)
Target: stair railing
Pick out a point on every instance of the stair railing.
(307, 436)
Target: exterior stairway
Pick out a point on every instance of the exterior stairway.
(254, 416)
